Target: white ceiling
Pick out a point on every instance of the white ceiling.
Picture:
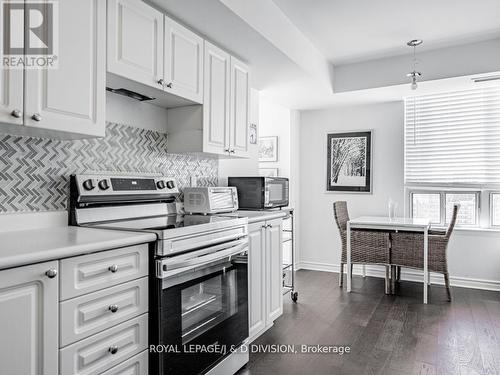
(348, 31)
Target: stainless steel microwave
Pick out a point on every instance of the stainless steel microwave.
(259, 193)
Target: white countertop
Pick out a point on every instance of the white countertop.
(256, 216)
(18, 248)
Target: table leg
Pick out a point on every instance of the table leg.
(387, 279)
(426, 262)
(349, 270)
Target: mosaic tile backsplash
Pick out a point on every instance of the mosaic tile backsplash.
(34, 172)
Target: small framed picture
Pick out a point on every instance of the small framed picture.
(268, 172)
(268, 149)
(253, 134)
(349, 157)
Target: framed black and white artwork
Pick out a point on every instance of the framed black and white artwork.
(349, 162)
(268, 149)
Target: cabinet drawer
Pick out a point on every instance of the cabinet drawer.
(83, 316)
(137, 365)
(94, 355)
(88, 273)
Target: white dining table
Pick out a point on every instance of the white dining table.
(388, 224)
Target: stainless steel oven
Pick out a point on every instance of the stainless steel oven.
(198, 296)
(202, 307)
(259, 193)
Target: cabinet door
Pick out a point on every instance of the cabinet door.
(11, 86)
(135, 41)
(71, 98)
(256, 280)
(274, 254)
(240, 108)
(216, 100)
(183, 62)
(29, 320)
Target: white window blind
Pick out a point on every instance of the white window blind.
(453, 138)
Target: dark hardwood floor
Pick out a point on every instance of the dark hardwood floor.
(393, 335)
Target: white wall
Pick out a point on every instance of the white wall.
(275, 120)
(474, 257)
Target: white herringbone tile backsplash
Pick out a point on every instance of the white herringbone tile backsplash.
(34, 172)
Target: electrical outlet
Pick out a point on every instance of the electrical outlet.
(194, 181)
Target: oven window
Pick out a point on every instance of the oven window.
(275, 192)
(208, 303)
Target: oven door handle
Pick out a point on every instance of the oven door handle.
(166, 268)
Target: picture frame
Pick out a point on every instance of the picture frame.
(252, 134)
(268, 149)
(268, 172)
(349, 162)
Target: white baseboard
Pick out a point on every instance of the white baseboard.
(406, 274)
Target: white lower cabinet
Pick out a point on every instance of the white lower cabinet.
(265, 289)
(256, 279)
(101, 326)
(29, 319)
(137, 365)
(100, 352)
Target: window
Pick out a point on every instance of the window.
(495, 209)
(427, 205)
(438, 206)
(451, 155)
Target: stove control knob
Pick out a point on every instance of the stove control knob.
(160, 184)
(170, 184)
(103, 185)
(88, 184)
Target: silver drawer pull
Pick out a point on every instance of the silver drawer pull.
(37, 117)
(113, 308)
(16, 113)
(51, 273)
(113, 349)
(113, 268)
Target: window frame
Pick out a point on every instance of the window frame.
(442, 191)
(491, 193)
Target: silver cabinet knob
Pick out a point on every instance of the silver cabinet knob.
(113, 268)
(169, 85)
(226, 150)
(16, 113)
(232, 151)
(113, 349)
(113, 308)
(161, 82)
(36, 117)
(51, 273)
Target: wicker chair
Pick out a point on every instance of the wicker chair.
(366, 246)
(407, 250)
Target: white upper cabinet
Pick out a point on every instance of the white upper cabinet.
(68, 100)
(29, 320)
(71, 98)
(183, 62)
(216, 100)
(239, 108)
(135, 41)
(11, 88)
